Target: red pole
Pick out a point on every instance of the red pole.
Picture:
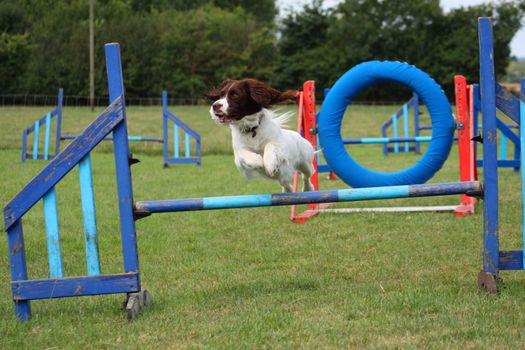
(306, 126)
(465, 145)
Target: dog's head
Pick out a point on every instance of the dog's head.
(232, 100)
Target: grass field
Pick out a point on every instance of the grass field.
(252, 279)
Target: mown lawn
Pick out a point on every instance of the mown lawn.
(250, 278)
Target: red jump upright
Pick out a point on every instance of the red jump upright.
(465, 126)
(306, 126)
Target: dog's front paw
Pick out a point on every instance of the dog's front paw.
(254, 161)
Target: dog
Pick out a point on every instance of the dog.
(260, 144)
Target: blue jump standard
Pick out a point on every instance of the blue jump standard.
(145, 208)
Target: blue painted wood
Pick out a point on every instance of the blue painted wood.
(87, 195)
(35, 139)
(505, 130)
(187, 145)
(121, 151)
(511, 260)
(411, 149)
(490, 165)
(415, 102)
(165, 125)
(198, 150)
(509, 163)
(507, 103)
(130, 138)
(182, 125)
(189, 133)
(48, 135)
(394, 132)
(63, 163)
(176, 141)
(503, 147)
(278, 199)
(376, 140)
(522, 158)
(17, 263)
(54, 252)
(384, 128)
(76, 286)
(24, 146)
(323, 168)
(58, 129)
(405, 124)
(182, 160)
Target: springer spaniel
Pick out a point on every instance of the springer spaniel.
(260, 144)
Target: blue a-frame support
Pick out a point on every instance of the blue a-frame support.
(167, 118)
(508, 104)
(113, 119)
(492, 98)
(393, 122)
(44, 123)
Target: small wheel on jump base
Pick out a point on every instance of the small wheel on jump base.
(135, 302)
(488, 282)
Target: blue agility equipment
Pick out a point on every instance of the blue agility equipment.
(113, 120)
(492, 97)
(393, 121)
(507, 104)
(189, 134)
(43, 127)
(171, 140)
(348, 86)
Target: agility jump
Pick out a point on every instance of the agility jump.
(174, 150)
(113, 120)
(356, 175)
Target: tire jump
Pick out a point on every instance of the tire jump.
(359, 78)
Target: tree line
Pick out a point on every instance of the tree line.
(186, 46)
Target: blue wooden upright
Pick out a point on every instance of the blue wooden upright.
(42, 128)
(492, 97)
(393, 122)
(190, 155)
(24, 289)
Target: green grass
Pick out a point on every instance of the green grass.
(252, 279)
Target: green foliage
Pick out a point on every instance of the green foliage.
(515, 71)
(14, 54)
(186, 46)
(418, 32)
(302, 48)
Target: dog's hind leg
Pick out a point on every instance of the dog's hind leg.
(286, 178)
(288, 187)
(307, 170)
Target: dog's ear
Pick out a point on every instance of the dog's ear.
(266, 96)
(215, 93)
(287, 96)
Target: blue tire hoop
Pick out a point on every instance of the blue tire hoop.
(347, 87)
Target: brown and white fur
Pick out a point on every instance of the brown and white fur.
(260, 144)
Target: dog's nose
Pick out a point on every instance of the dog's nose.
(217, 106)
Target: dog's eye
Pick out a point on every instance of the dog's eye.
(234, 94)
